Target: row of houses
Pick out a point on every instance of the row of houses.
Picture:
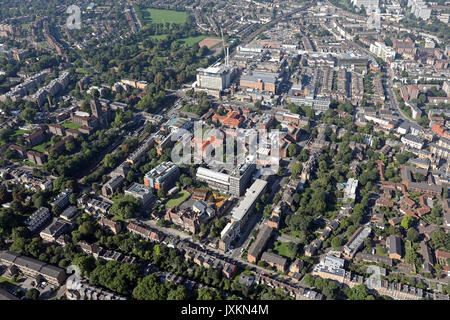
(33, 268)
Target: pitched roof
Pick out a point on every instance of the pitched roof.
(274, 258)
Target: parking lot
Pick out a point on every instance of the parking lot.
(46, 290)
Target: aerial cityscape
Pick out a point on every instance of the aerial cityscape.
(224, 150)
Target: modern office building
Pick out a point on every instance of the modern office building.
(420, 9)
(252, 195)
(215, 77)
(142, 193)
(162, 176)
(38, 220)
(233, 182)
(383, 51)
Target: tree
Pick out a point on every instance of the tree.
(28, 114)
(336, 242)
(109, 161)
(161, 193)
(85, 263)
(298, 222)
(412, 235)
(359, 292)
(280, 171)
(149, 288)
(296, 169)
(294, 108)
(388, 42)
(70, 146)
(180, 293)
(292, 249)
(407, 222)
(118, 277)
(411, 257)
(186, 181)
(309, 280)
(32, 294)
(440, 240)
(208, 294)
(125, 207)
(292, 150)
(87, 230)
(19, 245)
(5, 196)
(404, 157)
(19, 232)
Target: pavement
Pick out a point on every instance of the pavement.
(285, 238)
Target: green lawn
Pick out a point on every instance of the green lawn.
(178, 198)
(150, 16)
(29, 163)
(7, 284)
(381, 251)
(158, 36)
(280, 248)
(19, 132)
(82, 70)
(192, 40)
(71, 125)
(293, 234)
(41, 148)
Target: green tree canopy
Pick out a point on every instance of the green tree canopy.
(125, 207)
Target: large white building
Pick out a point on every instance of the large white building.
(233, 182)
(350, 189)
(382, 51)
(215, 77)
(412, 141)
(368, 4)
(420, 9)
(446, 88)
(240, 213)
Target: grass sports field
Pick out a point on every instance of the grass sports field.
(150, 16)
(192, 40)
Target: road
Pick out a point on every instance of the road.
(266, 26)
(393, 99)
(390, 85)
(212, 251)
